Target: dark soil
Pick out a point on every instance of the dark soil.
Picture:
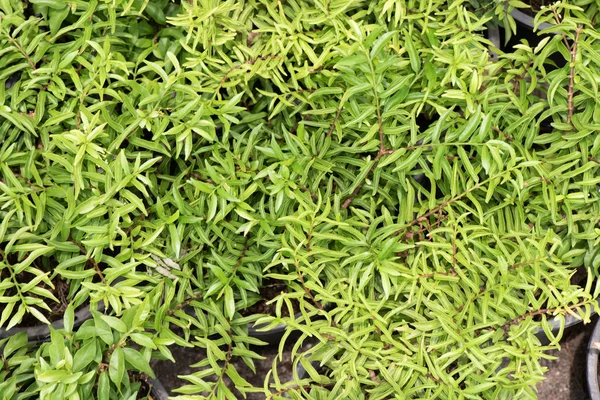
(168, 373)
(145, 388)
(271, 289)
(564, 380)
(566, 375)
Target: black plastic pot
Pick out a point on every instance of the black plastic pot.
(493, 34)
(158, 391)
(41, 333)
(272, 335)
(592, 364)
(301, 371)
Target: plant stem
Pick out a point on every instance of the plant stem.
(332, 126)
(543, 311)
(185, 303)
(572, 75)
(449, 201)
(593, 160)
(94, 263)
(18, 46)
(557, 19)
(228, 358)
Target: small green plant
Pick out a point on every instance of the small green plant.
(105, 358)
(17, 377)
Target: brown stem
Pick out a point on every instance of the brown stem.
(185, 303)
(249, 62)
(94, 263)
(332, 126)
(360, 186)
(557, 19)
(5, 363)
(382, 152)
(433, 378)
(308, 292)
(446, 203)
(21, 50)
(521, 318)
(543, 311)
(506, 135)
(228, 358)
(593, 160)
(572, 74)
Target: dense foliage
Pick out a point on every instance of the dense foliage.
(425, 197)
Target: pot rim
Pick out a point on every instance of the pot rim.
(592, 364)
(253, 328)
(158, 390)
(40, 333)
(527, 20)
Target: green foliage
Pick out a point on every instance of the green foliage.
(99, 360)
(17, 368)
(425, 206)
(106, 358)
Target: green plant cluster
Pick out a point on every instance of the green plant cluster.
(425, 198)
(89, 363)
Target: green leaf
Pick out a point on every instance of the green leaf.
(103, 386)
(229, 301)
(116, 368)
(410, 161)
(14, 343)
(413, 55)
(57, 16)
(69, 318)
(143, 340)
(380, 43)
(137, 361)
(391, 158)
(85, 355)
(114, 323)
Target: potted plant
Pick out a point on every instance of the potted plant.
(383, 253)
(484, 263)
(95, 361)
